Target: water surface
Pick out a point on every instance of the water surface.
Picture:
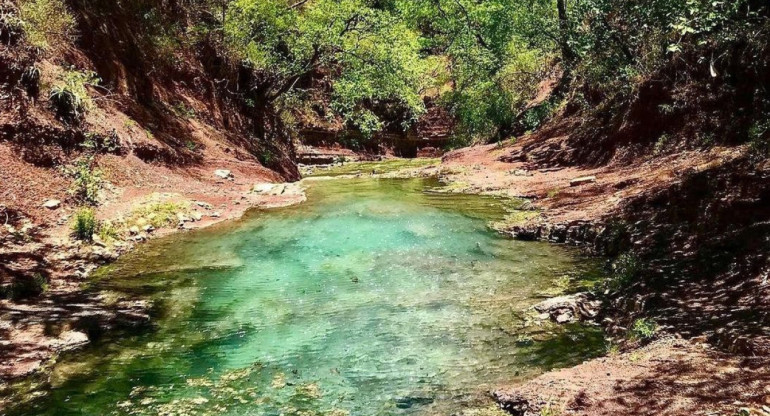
(375, 297)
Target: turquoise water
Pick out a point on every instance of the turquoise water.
(375, 297)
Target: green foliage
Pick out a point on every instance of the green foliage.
(11, 27)
(107, 231)
(84, 224)
(759, 139)
(625, 269)
(69, 95)
(87, 180)
(643, 329)
(374, 54)
(46, 23)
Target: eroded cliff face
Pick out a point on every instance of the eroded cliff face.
(100, 121)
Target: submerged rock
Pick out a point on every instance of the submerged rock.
(570, 308)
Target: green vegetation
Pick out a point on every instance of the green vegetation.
(157, 214)
(625, 269)
(84, 224)
(69, 95)
(87, 180)
(46, 23)
(643, 329)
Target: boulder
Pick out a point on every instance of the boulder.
(196, 216)
(223, 173)
(569, 308)
(133, 230)
(215, 214)
(52, 204)
(71, 339)
(582, 180)
(148, 228)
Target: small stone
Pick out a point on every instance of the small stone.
(263, 188)
(223, 173)
(582, 180)
(182, 218)
(52, 204)
(215, 214)
(97, 241)
(564, 318)
(133, 230)
(196, 216)
(202, 204)
(72, 339)
(148, 228)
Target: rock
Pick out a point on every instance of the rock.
(97, 241)
(72, 339)
(148, 228)
(196, 216)
(215, 214)
(582, 180)
(52, 204)
(512, 402)
(569, 308)
(182, 218)
(564, 318)
(262, 188)
(133, 230)
(223, 173)
(202, 204)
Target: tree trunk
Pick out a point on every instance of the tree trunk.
(567, 55)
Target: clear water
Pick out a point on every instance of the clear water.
(373, 298)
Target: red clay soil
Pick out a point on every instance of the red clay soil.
(481, 169)
(668, 377)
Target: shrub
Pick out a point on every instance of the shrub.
(624, 269)
(85, 224)
(11, 28)
(643, 329)
(107, 231)
(87, 181)
(46, 22)
(69, 96)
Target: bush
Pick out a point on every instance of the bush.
(624, 269)
(87, 181)
(643, 329)
(46, 22)
(69, 96)
(10, 23)
(85, 224)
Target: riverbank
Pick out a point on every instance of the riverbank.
(62, 318)
(665, 223)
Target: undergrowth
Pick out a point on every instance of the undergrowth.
(46, 23)
(69, 96)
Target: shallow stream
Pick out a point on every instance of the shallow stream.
(375, 297)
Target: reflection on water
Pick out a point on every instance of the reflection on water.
(373, 298)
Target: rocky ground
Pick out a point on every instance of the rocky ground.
(713, 313)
